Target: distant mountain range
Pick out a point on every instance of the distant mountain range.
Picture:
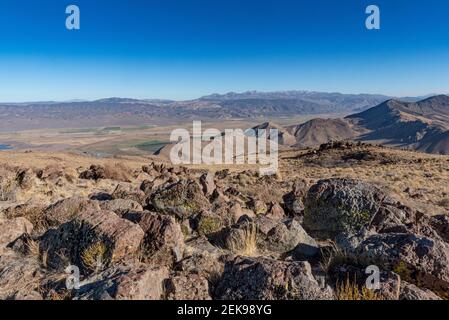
(125, 111)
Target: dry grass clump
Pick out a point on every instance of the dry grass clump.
(208, 225)
(243, 241)
(334, 256)
(94, 257)
(351, 291)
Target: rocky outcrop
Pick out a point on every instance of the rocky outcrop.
(121, 206)
(412, 292)
(115, 238)
(125, 282)
(182, 199)
(11, 229)
(337, 206)
(128, 191)
(20, 276)
(65, 210)
(163, 243)
(416, 259)
(187, 287)
(288, 235)
(266, 279)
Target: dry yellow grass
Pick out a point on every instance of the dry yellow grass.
(351, 291)
(94, 257)
(246, 243)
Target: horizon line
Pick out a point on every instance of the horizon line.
(80, 100)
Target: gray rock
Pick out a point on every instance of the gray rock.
(412, 292)
(183, 199)
(276, 212)
(416, 259)
(288, 235)
(338, 206)
(267, 279)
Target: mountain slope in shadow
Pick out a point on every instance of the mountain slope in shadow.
(422, 125)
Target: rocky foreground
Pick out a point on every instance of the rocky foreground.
(161, 232)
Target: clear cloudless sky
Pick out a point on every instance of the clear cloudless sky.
(182, 49)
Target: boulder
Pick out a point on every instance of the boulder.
(125, 282)
(294, 200)
(267, 279)
(419, 260)
(207, 183)
(20, 276)
(147, 187)
(121, 206)
(208, 265)
(276, 212)
(127, 191)
(187, 287)
(65, 210)
(411, 292)
(202, 246)
(115, 238)
(337, 206)
(163, 243)
(258, 206)
(288, 235)
(183, 199)
(95, 172)
(11, 229)
(440, 223)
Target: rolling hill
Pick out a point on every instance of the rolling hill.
(422, 125)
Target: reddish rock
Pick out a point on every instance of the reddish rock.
(11, 229)
(121, 237)
(188, 287)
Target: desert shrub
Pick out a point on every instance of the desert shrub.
(243, 241)
(208, 225)
(350, 290)
(94, 257)
(335, 256)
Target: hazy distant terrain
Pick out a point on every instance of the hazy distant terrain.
(121, 112)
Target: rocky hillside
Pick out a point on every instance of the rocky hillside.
(152, 231)
(422, 126)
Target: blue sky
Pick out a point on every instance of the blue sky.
(185, 49)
